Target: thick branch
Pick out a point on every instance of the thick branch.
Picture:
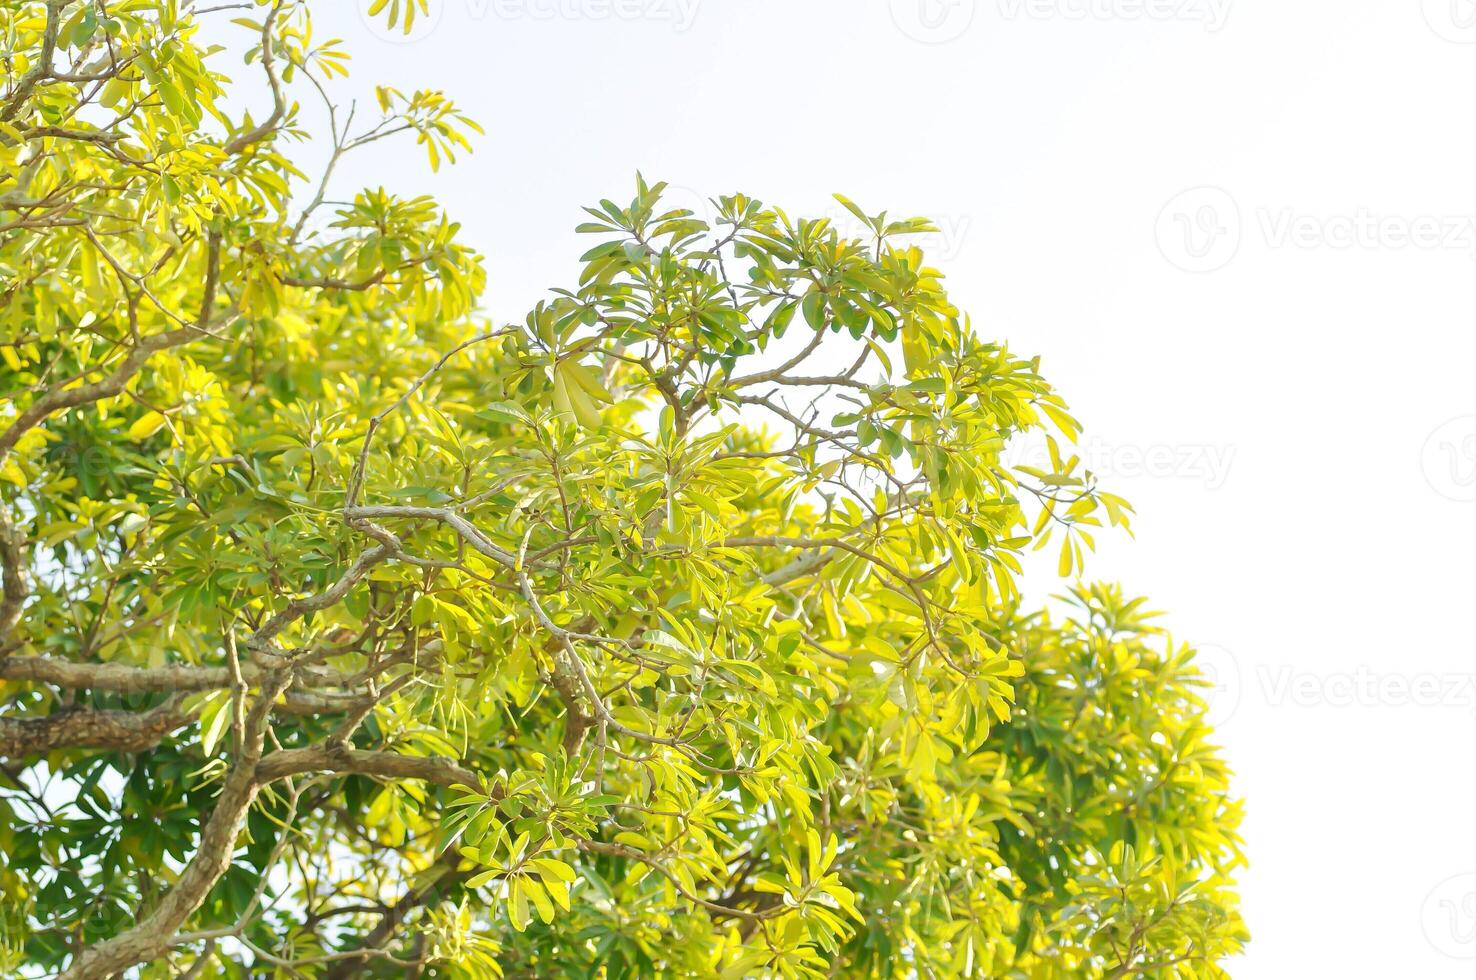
(151, 937)
(13, 565)
(121, 731)
(798, 568)
(291, 762)
(135, 731)
(126, 679)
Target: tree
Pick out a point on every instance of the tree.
(673, 631)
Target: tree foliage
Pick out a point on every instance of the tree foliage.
(673, 631)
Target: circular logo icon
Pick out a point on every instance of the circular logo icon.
(933, 21)
(1454, 20)
(400, 21)
(1222, 683)
(1199, 230)
(1449, 459)
(1449, 917)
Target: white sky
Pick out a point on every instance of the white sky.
(1270, 410)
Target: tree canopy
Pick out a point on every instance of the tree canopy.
(675, 630)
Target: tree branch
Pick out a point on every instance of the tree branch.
(153, 934)
(279, 98)
(60, 399)
(13, 565)
(120, 731)
(393, 917)
(127, 679)
(291, 762)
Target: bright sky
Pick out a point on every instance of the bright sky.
(1241, 234)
